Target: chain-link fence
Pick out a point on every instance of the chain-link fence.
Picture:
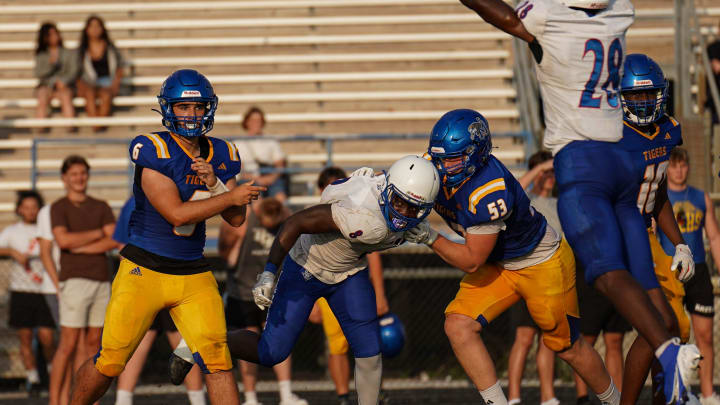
(418, 286)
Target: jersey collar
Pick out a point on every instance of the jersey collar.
(202, 139)
(648, 136)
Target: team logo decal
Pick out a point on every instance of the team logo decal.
(478, 129)
(190, 93)
(357, 233)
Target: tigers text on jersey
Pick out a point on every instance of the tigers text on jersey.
(332, 257)
(161, 151)
(580, 71)
(490, 195)
(651, 151)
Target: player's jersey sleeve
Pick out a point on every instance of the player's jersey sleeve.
(533, 15)
(489, 203)
(358, 224)
(151, 151)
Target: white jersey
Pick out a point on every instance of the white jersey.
(580, 71)
(332, 257)
(32, 277)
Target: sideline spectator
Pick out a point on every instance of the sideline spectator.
(245, 249)
(30, 286)
(128, 379)
(259, 154)
(56, 69)
(539, 184)
(82, 227)
(694, 211)
(338, 362)
(101, 69)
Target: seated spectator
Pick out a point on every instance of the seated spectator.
(56, 69)
(260, 155)
(31, 289)
(100, 67)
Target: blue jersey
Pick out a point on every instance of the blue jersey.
(491, 194)
(690, 210)
(651, 151)
(160, 151)
(122, 226)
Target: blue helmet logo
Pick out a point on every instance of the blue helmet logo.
(187, 85)
(460, 133)
(643, 90)
(392, 335)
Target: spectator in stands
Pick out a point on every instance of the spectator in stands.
(713, 51)
(539, 183)
(83, 228)
(30, 286)
(338, 362)
(101, 69)
(56, 69)
(245, 249)
(163, 322)
(694, 211)
(259, 154)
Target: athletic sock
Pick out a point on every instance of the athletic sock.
(123, 397)
(32, 376)
(250, 396)
(494, 395)
(611, 395)
(196, 397)
(285, 390)
(514, 401)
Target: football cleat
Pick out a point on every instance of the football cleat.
(679, 362)
(178, 369)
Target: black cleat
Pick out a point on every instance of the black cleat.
(178, 369)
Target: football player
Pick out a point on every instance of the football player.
(510, 253)
(579, 47)
(176, 189)
(322, 251)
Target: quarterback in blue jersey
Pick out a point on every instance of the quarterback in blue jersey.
(649, 134)
(182, 178)
(510, 253)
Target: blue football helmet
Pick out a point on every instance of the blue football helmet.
(463, 133)
(392, 335)
(187, 85)
(643, 75)
(415, 182)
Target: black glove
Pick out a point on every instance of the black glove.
(536, 50)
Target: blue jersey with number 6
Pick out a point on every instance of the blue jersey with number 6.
(162, 152)
(579, 74)
(493, 195)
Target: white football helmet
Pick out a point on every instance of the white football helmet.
(588, 4)
(415, 181)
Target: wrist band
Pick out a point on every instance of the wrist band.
(218, 188)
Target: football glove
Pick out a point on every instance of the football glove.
(422, 233)
(263, 289)
(683, 258)
(363, 171)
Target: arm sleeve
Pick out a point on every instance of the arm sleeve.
(358, 224)
(533, 15)
(107, 215)
(70, 68)
(150, 151)
(487, 228)
(5, 238)
(277, 152)
(57, 216)
(43, 68)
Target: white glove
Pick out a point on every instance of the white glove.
(263, 289)
(684, 258)
(422, 233)
(363, 171)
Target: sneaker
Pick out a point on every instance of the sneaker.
(583, 400)
(713, 399)
(294, 400)
(178, 369)
(552, 401)
(344, 401)
(678, 362)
